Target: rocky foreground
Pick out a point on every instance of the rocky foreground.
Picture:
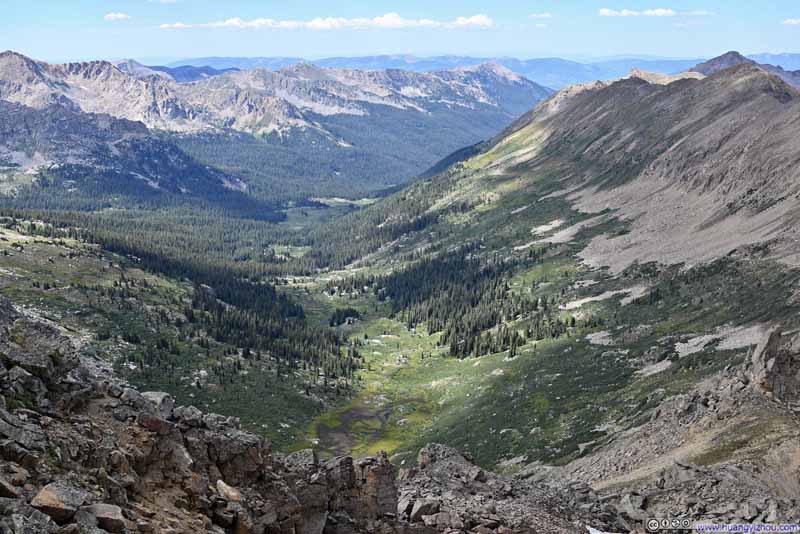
(82, 452)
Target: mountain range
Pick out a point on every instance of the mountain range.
(550, 72)
(182, 74)
(301, 131)
(355, 131)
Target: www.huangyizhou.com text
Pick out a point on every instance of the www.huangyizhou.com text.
(745, 527)
(685, 525)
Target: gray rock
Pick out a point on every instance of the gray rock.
(747, 510)
(24, 383)
(632, 505)
(60, 500)
(404, 505)
(303, 459)
(108, 516)
(163, 403)
(16, 517)
(28, 436)
(133, 398)
(7, 490)
(154, 423)
(424, 507)
(188, 415)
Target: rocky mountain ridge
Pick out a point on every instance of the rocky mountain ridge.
(257, 101)
(548, 71)
(719, 151)
(184, 74)
(57, 154)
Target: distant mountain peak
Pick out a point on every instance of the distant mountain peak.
(11, 57)
(732, 55)
(138, 70)
(733, 59)
(257, 101)
(725, 61)
(305, 69)
(11, 53)
(129, 61)
(492, 67)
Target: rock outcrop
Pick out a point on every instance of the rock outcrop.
(448, 492)
(774, 366)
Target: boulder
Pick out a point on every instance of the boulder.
(405, 504)
(60, 500)
(108, 516)
(7, 490)
(189, 416)
(163, 403)
(17, 517)
(424, 507)
(227, 492)
(24, 383)
(301, 460)
(153, 423)
(632, 505)
(134, 399)
(747, 511)
(35, 363)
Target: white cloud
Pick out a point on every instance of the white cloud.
(792, 22)
(475, 21)
(116, 16)
(391, 21)
(545, 15)
(658, 12)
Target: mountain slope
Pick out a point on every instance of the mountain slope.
(724, 147)
(63, 158)
(93, 87)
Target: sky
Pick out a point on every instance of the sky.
(165, 30)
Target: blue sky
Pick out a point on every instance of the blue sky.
(59, 30)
